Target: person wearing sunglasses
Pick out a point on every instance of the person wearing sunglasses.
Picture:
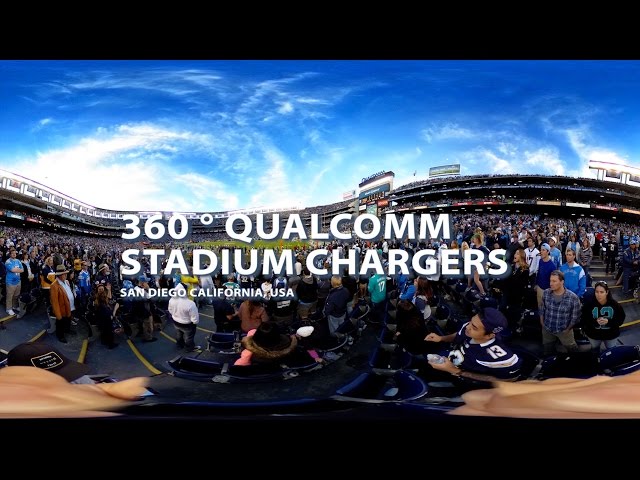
(601, 318)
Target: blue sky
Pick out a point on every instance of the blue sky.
(220, 135)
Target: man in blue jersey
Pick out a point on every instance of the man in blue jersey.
(14, 268)
(556, 254)
(377, 288)
(476, 351)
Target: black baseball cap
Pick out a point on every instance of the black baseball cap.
(44, 356)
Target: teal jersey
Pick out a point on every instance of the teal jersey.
(378, 288)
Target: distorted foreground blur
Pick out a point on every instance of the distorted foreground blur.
(597, 397)
(29, 392)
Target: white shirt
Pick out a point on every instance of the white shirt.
(533, 259)
(67, 290)
(184, 310)
(206, 281)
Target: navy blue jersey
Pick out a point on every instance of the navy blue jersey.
(489, 358)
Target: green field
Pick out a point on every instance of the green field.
(275, 244)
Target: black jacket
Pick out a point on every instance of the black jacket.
(592, 310)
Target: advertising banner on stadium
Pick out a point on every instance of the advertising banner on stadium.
(382, 203)
(441, 205)
(605, 207)
(374, 194)
(628, 210)
(579, 205)
(15, 215)
(613, 167)
(458, 204)
(546, 202)
(350, 195)
(372, 208)
(376, 177)
(443, 170)
(487, 203)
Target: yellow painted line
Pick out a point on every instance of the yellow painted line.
(83, 351)
(38, 336)
(9, 317)
(208, 316)
(628, 300)
(205, 330)
(168, 337)
(628, 324)
(144, 361)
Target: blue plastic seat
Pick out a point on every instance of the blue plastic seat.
(571, 365)
(530, 362)
(195, 368)
(220, 341)
(442, 312)
(620, 360)
(370, 387)
(386, 336)
(382, 359)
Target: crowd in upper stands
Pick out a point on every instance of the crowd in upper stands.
(550, 260)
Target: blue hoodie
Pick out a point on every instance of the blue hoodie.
(574, 278)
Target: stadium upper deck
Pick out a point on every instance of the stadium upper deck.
(28, 203)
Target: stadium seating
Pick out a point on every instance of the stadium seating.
(620, 360)
(371, 387)
(195, 368)
(385, 361)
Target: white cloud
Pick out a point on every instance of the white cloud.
(204, 188)
(579, 140)
(502, 166)
(489, 160)
(506, 148)
(273, 187)
(40, 124)
(447, 131)
(285, 108)
(312, 101)
(99, 170)
(602, 155)
(545, 160)
(576, 137)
